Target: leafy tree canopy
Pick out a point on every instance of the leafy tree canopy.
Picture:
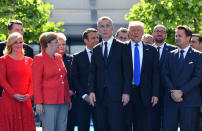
(170, 13)
(33, 13)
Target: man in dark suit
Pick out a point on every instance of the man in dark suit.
(196, 43)
(182, 73)
(109, 79)
(80, 68)
(159, 34)
(15, 26)
(145, 83)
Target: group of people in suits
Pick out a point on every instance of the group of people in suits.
(122, 83)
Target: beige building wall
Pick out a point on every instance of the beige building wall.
(78, 15)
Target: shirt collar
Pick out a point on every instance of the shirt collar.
(109, 42)
(139, 43)
(185, 49)
(88, 50)
(162, 46)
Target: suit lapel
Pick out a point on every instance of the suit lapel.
(100, 55)
(111, 52)
(85, 55)
(187, 58)
(165, 50)
(144, 59)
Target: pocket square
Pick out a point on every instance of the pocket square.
(191, 62)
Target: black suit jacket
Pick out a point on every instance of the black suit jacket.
(67, 59)
(112, 77)
(149, 77)
(166, 49)
(186, 79)
(79, 71)
(28, 52)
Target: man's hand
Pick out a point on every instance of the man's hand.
(176, 95)
(39, 109)
(154, 100)
(92, 98)
(87, 99)
(125, 99)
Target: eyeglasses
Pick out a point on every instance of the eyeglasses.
(160, 31)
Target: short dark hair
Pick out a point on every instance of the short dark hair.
(122, 29)
(199, 37)
(187, 29)
(88, 30)
(11, 23)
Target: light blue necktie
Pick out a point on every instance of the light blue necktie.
(136, 73)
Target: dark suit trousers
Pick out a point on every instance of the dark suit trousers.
(157, 116)
(108, 115)
(127, 117)
(83, 115)
(140, 113)
(185, 116)
(72, 120)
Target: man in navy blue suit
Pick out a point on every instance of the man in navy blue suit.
(159, 34)
(109, 79)
(182, 72)
(145, 74)
(80, 68)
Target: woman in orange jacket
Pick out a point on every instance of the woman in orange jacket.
(51, 89)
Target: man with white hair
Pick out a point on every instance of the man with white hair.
(145, 83)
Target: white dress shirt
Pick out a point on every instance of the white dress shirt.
(160, 50)
(89, 54)
(140, 48)
(185, 51)
(109, 44)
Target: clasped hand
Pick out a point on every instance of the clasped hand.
(176, 95)
(21, 98)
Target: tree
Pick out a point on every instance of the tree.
(33, 13)
(170, 13)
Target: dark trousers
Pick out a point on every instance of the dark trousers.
(178, 115)
(108, 115)
(84, 112)
(140, 113)
(127, 117)
(198, 121)
(156, 120)
(72, 120)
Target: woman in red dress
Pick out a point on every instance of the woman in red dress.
(16, 112)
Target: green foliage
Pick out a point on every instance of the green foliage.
(33, 13)
(170, 13)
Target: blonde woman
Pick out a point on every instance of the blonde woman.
(16, 80)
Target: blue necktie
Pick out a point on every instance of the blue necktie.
(181, 59)
(136, 73)
(105, 52)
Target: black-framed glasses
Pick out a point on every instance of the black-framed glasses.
(160, 31)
